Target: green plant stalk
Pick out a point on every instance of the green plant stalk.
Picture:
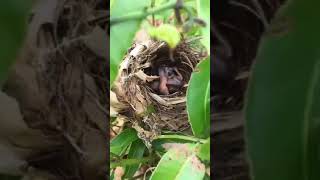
(189, 11)
(128, 162)
(187, 138)
(140, 15)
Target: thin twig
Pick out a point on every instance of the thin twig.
(223, 41)
(235, 28)
(137, 176)
(71, 141)
(261, 13)
(149, 169)
(99, 105)
(74, 144)
(252, 11)
(189, 63)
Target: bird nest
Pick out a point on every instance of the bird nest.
(152, 84)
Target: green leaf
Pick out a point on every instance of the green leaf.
(111, 3)
(157, 144)
(119, 144)
(129, 162)
(122, 34)
(167, 33)
(136, 151)
(198, 100)
(13, 21)
(191, 169)
(282, 113)
(204, 151)
(112, 176)
(204, 13)
(206, 177)
(179, 164)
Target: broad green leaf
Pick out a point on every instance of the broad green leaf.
(157, 144)
(204, 13)
(282, 113)
(179, 164)
(192, 169)
(198, 97)
(204, 151)
(136, 151)
(119, 144)
(122, 34)
(13, 21)
(167, 33)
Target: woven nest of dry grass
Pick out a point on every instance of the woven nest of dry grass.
(149, 111)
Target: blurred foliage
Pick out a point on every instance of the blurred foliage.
(8, 177)
(282, 111)
(13, 20)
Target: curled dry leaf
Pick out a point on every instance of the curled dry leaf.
(145, 78)
(117, 126)
(115, 105)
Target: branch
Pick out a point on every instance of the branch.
(188, 138)
(140, 15)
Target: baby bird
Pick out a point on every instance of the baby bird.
(170, 80)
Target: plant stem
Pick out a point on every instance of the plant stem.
(188, 138)
(126, 162)
(137, 176)
(140, 15)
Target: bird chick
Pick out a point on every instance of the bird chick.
(170, 80)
